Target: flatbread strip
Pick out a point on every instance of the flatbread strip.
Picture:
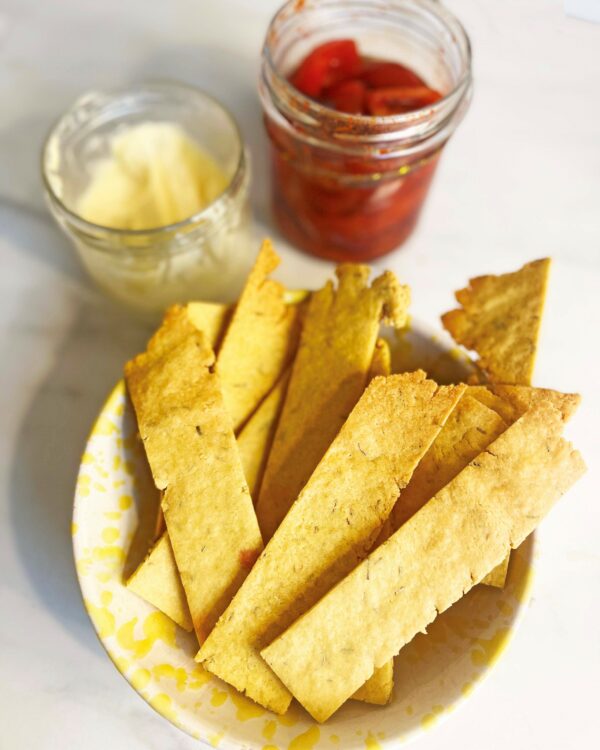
(338, 336)
(157, 579)
(164, 591)
(329, 528)
(511, 402)
(256, 437)
(260, 340)
(211, 318)
(469, 429)
(500, 319)
(517, 399)
(435, 558)
(378, 689)
(194, 460)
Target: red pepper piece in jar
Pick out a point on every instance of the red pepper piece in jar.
(396, 101)
(378, 75)
(325, 66)
(347, 96)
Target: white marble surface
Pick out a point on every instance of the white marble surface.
(520, 180)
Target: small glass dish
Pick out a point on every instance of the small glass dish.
(206, 256)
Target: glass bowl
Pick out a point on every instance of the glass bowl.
(206, 256)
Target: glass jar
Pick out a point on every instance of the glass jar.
(206, 256)
(351, 187)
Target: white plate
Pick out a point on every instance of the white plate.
(113, 516)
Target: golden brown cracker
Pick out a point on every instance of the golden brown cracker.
(469, 429)
(338, 336)
(157, 581)
(500, 319)
(511, 402)
(260, 340)
(193, 456)
(211, 318)
(428, 564)
(256, 437)
(381, 361)
(379, 688)
(329, 528)
(497, 576)
(523, 397)
(486, 396)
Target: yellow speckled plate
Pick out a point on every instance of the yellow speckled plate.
(115, 508)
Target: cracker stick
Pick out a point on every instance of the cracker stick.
(254, 443)
(511, 402)
(500, 319)
(255, 439)
(260, 340)
(194, 460)
(379, 687)
(469, 429)
(329, 374)
(211, 318)
(157, 581)
(329, 528)
(428, 564)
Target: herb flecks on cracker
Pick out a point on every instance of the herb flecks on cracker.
(469, 429)
(428, 564)
(500, 319)
(339, 330)
(329, 528)
(190, 445)
(260, 341)
(378, 689)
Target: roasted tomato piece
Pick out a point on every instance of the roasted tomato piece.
(396, 101)
(347, 96)
(378, 75)
(326, 65)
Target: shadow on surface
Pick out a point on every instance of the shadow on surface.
(48, 448)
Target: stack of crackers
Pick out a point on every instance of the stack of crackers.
(318, 511)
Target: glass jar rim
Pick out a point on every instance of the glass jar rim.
(166, 85)
(349, 125)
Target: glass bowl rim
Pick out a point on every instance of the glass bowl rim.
(164, 85)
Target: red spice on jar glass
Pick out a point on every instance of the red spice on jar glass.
(359, 99)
